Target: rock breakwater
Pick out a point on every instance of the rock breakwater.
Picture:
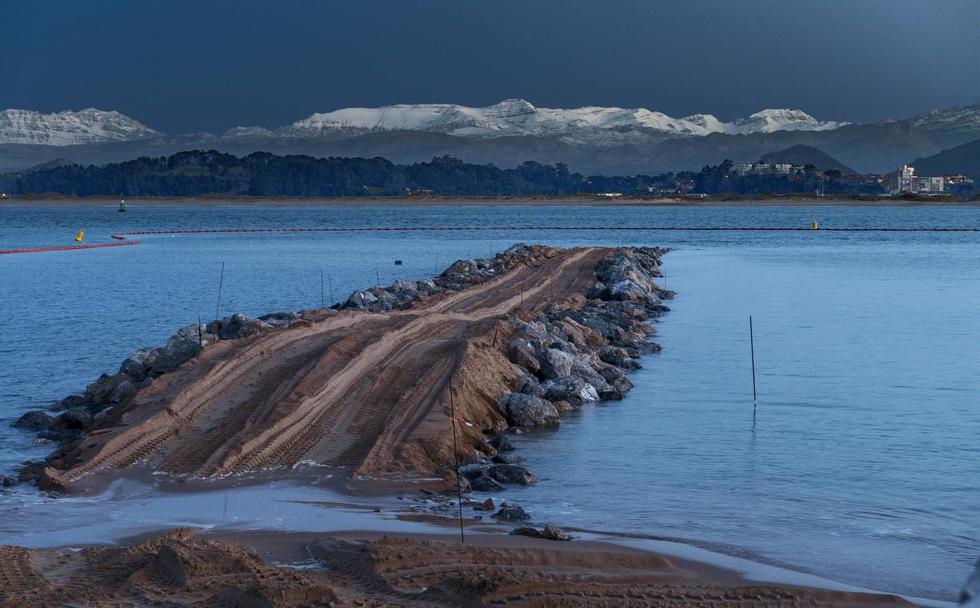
(513, 341)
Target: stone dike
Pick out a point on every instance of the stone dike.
(574, 349)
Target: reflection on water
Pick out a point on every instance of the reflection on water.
(862, 465)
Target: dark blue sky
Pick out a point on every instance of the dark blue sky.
(190, 65)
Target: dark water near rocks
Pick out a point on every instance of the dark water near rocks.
(863, 465)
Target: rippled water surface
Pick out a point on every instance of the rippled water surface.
(863, 464)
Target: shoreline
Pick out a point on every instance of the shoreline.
(468, 201)
(343, 517)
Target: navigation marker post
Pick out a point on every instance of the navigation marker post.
(752, 351)
(221, 282)
(459, 483)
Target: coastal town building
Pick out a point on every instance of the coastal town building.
(764, 169)
(907, 182)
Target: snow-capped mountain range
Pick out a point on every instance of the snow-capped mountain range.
(517, 117)
(70, 128)
(512, 117)
(590, 139)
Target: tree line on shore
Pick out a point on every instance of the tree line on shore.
(202, 173)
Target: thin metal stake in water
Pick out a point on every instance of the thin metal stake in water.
(377, 276)
(752, 350)
(221, 282)
(200, 333)
(330, 287)
(459, 483)
(321, 290)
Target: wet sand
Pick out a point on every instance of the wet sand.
(184, 568)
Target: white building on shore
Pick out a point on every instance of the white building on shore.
(763, 169)
(907, 182)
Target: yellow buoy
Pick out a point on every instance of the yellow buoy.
(814, 225)
(80, 236)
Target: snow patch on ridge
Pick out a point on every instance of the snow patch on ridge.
(69, 128)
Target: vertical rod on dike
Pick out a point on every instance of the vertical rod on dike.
(330, 287)
(200, 333)
(377, 276)
(522, 288)
(221, 282)
(459, 484)
(752, 350)
(321, 290)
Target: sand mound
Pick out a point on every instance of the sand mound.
(182, 570)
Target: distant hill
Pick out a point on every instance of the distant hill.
(963, 159)
(802, 154)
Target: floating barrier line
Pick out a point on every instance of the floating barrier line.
(68, 247)
(124, 236)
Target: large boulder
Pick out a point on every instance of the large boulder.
(549, 532)
(235, 326)
(485, 483)
(570, 388)
(279, 319)
(528, 410)
(511, 474)
(99, 391)
(628, 290)
(73, 420)
(34, 421)
(556, 363)
(179, 350)
(123, 392)
(521, 352)
(509, 512)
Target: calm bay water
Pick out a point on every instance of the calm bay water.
(862, 466)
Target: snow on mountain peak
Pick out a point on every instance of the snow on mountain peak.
(518, 117)
(69, 128)
(769, 120)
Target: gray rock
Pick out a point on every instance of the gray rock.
(556, 363)
(233, 327)
(74, 419)
(6, 482)
(521, 352)
(99, 391)
(628, 290)
(571, 389)
(473, 470)
(180, 350)
(34, 421)
(511, 474)
(279, 319)
(123, 392)
(549, 532)
(528, 410)
(31, 472)
(509, 512)
(485, 483)
(502, 444)
(360, 299)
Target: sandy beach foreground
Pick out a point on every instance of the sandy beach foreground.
(184, 568)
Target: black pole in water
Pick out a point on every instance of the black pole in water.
(330, 286)
(200, 333)
(459, 483)
(221, 282)
(377, 276)
(321, 290)
(752, 350)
